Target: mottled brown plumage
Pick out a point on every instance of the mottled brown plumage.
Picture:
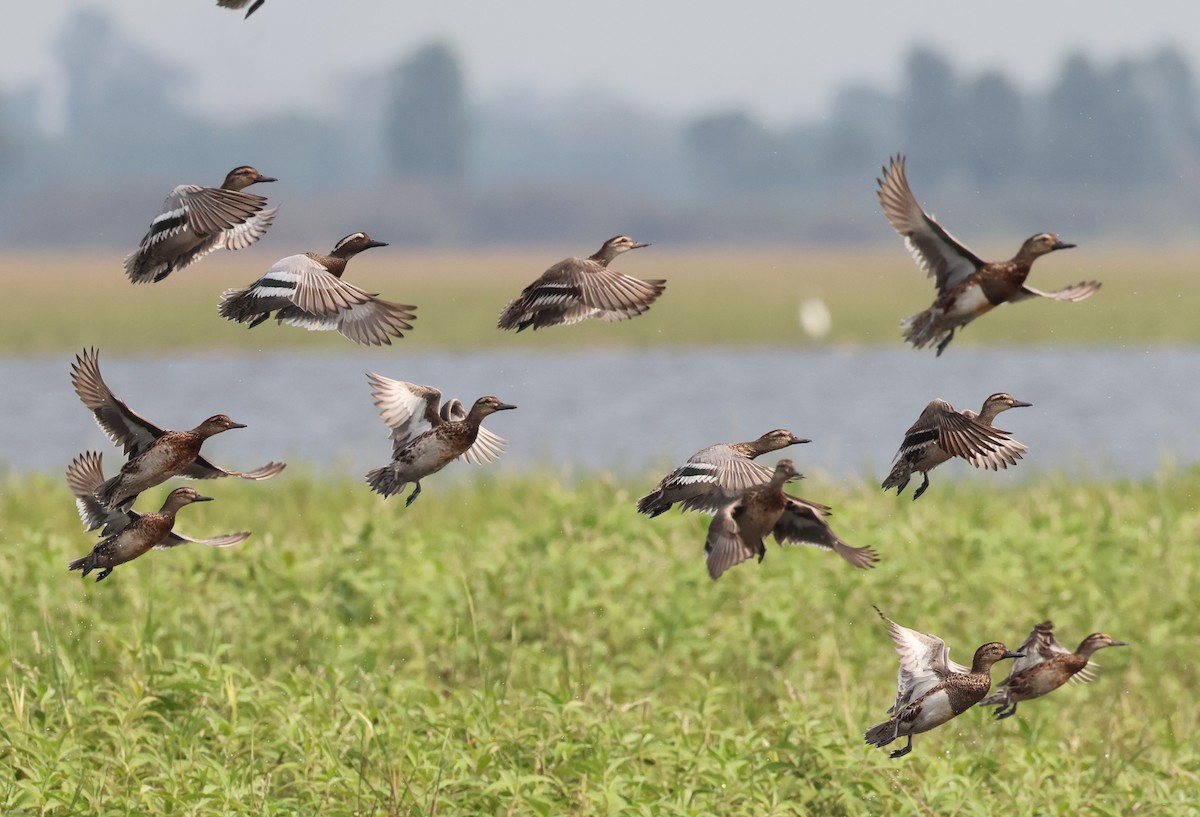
(967, 285)
(932, 689)
(737, 531)
(425, 439)
(1045, 667)
(85, 475)
(143, 533)
(155, 454)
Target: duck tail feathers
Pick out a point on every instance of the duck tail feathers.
(881, 734)
(898, 478)
(384, 481)
(85, 563)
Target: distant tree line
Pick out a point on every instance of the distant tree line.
(1132, 123)
(440, 167)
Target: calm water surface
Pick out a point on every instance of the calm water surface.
(1100, 412)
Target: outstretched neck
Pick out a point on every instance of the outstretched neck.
(334, 263)
(604, 255)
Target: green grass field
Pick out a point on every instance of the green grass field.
(526, 647)
(58, 303)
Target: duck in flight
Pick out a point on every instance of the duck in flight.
(967, 285)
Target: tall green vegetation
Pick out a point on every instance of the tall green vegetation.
(530, 647)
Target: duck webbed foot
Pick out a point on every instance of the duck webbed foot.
(941, 347)
(1006, 712)
(414, 495)
(924, 485)
(902, 752)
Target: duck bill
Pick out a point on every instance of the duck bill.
(1011, 654)
(1062, 245)
(237, 425)
(638, 246)
(505, 407)
(202, 499)
(1021, 404)
(374, 243)
(262, 179)
(1118, 643)
(799, 440)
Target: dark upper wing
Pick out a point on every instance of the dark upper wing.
(614, 295)
(978, 443)
(937, 252)
(576, 289)
(961, 436)
(724, 546)
(804, 524)
(125, 427)
(212, 210)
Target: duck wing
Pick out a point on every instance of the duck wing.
(1077, 292)
(614, 295)
(408, 409)
(924, 662)
(576, 289)
(938, 253)
(174, 539)
(309, 296)
(125, 427)
(803, 524)
(241, 236)
(710, 478)
(202, 468)
(1038, 648)
(961, 435)
(207, 211)
(85, 474)
(723, 545)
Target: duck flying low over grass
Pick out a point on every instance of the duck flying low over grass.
(1045, 667)
(155, 455)
(967, 285)
(716, 475)
(85, 475)
(943, 432)
(308, 291)
(144, 533)
(737, 531)
(196, 220)
(576, 289)
(426, 438)
(932, 688)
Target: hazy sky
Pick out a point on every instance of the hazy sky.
(781, 59)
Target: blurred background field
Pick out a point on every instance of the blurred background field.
(59, 302)
(525, 647)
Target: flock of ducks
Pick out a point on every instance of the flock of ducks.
(747, 500)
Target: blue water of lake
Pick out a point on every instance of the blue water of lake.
(1098, 412)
